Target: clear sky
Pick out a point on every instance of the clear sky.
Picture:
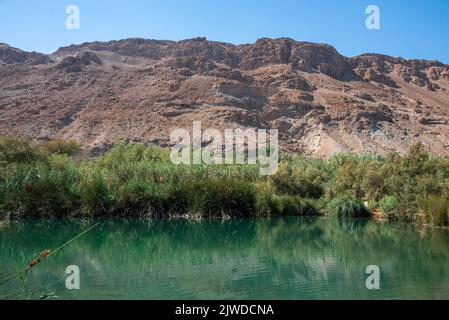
(409, 28)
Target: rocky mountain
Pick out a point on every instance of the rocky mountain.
(139, 90)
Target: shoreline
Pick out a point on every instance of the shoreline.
(187, 218)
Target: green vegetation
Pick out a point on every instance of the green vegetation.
(138, 180)
(389, 204)
(59, 146)
(14, 150)
(436, 209)
(348, 207)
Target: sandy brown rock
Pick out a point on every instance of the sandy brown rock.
(139, 90)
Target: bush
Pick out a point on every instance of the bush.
(347, 207)
(360, 178)
(217, 197)
(290, 206)
(436, 210)
(93, 193)
(133, 153)
(296, 179)
(60, 146)
(388, 204)
(39, 190)
(19, 150)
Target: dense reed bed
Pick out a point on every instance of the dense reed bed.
(49, 180)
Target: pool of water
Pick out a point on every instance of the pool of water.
(282, 258)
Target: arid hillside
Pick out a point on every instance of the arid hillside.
(140, 90)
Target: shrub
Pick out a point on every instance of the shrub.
(297, 180)
(60, 146)
(139, 196)
(216, 197)
(39, 190)
(319, 205)
(361, 178)
(436, 210)
(19, 150)
(133, 153)
(93, 193)
(290, 206)
(347, 207)
(372, 205)
(284, 205)
(389, 204)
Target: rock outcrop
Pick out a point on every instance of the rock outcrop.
(139, 90)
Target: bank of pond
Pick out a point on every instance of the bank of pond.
(134, 180)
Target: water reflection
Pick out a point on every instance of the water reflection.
(283, 258)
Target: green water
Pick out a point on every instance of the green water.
(287, 258)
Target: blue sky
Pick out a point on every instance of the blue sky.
(410, 29)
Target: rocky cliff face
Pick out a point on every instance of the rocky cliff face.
(139, 90)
